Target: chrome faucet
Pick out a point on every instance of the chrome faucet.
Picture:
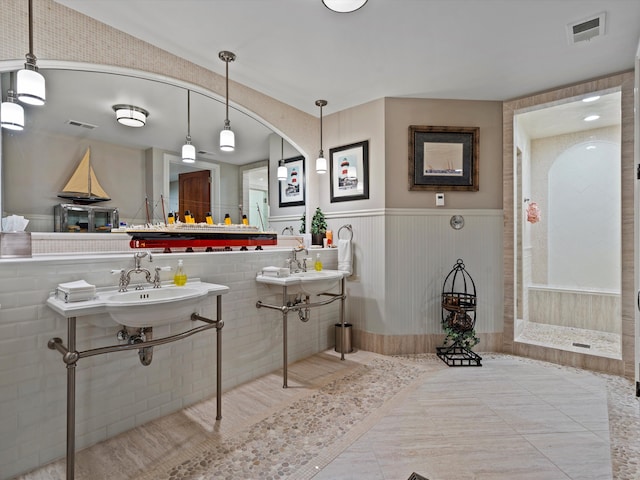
(125, 276)
(294, 260)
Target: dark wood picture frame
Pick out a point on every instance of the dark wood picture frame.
(349, 172)
(444, 158)
(292, 190)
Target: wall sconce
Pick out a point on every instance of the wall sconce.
(321, 162)
(131, 116)
(282, 169)
(188, 150)
(12, 113)
(30, 87)
(344, 6)
(227, 137)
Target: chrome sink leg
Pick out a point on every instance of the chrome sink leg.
(284, 341)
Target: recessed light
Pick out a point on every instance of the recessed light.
(593, 98)
(591, 118)
(591, 147)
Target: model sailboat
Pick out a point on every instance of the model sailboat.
(83, 186)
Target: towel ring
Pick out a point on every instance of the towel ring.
(287, 229)
(349, 229)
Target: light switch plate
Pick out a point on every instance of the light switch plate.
(439, 199)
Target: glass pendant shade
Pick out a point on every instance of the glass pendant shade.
(321, 165)
(227, 140)
(30, 87)
(344, 6)
(282, 172)
(12, 114)
(188, 152)
(131, 116)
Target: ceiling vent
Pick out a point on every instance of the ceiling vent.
(75, 123)
(587, 29)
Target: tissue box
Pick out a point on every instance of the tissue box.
(15, 244)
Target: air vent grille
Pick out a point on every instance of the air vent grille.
(75, 123)
(586, 29)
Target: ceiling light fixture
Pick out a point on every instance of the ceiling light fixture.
(30, 86)
(590, 99)
(282, 169)
(227, 137)
(321, 162)
(131, 116)
(344, 6)
(591, 118)
(11, 113)
(188, 150)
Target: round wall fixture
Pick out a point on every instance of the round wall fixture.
(456, 222)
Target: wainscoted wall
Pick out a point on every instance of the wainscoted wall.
(115, 392)
(575, 308)
(401, 258)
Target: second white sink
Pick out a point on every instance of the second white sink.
(310, 283)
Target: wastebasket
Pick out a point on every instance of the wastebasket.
(347, 343)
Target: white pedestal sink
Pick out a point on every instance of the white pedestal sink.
(142, 308)
(311, 282)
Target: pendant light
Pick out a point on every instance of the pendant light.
(282, 170)
(12, 113)
(188, 150)
(344, 6)
(227, 137)
(321, 162)
(30, 87)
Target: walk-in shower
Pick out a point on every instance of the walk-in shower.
(568, 225)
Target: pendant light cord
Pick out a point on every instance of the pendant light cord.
(30, 55)
(227, 84)
(189, 115)
(321, 151)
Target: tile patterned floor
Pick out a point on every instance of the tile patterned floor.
(512, 418)
(572, 339)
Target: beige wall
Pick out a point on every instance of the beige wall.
(400, 113)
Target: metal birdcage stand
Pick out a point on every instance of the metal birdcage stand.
(459, 316)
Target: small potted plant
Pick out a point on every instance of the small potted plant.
(303, 225)
(318, 227)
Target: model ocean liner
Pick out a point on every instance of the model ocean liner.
(197, 235)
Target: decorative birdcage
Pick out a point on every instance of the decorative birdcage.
(459, 318)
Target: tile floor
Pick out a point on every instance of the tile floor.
(512, 418)
(572, 339)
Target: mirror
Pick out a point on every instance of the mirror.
(568, 224)
(133, 165)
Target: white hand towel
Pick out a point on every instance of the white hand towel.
(345, 256)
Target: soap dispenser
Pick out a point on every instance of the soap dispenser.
(180, 278)
(318, 264)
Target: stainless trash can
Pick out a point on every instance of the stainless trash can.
(348, 348)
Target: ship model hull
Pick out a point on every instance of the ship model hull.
(218, 237)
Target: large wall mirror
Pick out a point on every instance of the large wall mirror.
(135, 166)
(567, 172)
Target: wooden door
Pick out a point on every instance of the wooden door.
(195, 194)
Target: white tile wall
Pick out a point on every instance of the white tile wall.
(114, 391)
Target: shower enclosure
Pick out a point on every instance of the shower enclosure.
(568, 258)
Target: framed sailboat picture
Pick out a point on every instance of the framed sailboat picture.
(83, 186)
(443, 158)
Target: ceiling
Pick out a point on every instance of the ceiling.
(298, 51)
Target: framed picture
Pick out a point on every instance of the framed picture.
(443, 158)
(349, 169)
(292, 190)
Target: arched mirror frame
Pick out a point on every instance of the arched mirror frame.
(626, 366)
(161, 187)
